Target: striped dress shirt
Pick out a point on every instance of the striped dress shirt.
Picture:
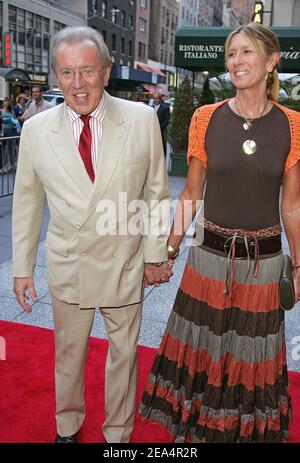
(96, 122)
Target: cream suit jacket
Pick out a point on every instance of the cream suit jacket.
(84, 267)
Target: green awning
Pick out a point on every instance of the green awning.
(202, 49)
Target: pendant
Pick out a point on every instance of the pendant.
(247, 125)
(249, 147)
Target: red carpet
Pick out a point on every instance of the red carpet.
(27, 389)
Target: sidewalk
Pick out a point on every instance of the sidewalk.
(157, 303)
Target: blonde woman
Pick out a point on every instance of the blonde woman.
(220, 374)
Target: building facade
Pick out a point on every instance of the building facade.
(164, 22)
(142, 30)
(201, 13)
(115, 20)
(31, 25)
(244, 9)
(282, 13)
(231, 17)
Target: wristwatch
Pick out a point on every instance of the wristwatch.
(172, 252)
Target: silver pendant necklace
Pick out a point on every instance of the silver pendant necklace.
(250, 146)
(247, 124)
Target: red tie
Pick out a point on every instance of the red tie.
(85, 146)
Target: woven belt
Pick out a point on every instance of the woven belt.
(221, 243)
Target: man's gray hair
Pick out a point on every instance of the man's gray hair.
(75, 35)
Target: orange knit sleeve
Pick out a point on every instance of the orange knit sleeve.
(197, 132)
(196, 146)
(294, 154)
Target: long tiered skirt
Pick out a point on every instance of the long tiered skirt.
(220, 374)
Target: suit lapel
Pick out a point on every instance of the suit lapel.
(115, 132)
(63, 143)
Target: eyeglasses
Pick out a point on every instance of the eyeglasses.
(87, 73)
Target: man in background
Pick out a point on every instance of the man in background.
(163, 114)
(37, 105)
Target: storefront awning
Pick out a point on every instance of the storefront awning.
(148, 68)
(202, 49)
(159, 88)
(143, 66)
(14, 75)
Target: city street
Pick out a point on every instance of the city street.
(157, 303)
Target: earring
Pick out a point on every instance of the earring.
(269, 78)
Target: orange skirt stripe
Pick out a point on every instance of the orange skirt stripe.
(239, 372)
(252, 298)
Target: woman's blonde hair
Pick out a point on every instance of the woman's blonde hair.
(255, 33)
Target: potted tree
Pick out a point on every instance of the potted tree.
(207, 96)
(178, 132)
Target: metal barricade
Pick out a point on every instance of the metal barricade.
(9, 147)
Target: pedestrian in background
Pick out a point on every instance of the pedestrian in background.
(9, 129)
(20, 108)
(37, 105)
(221, 371)
(163, 114)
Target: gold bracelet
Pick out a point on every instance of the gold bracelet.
(172, 252)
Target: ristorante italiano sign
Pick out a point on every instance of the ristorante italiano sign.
(203, 48)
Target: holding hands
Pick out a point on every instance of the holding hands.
(155, 274)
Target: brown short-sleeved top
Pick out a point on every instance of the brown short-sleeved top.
(243, 191)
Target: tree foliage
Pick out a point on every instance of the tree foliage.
(207, 96)
(181, 117)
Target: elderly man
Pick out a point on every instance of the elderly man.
(91, 151)
(37, 105)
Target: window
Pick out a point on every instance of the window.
(58, 26)
(130, 23)
(94, 6)
(142, 25)
(114, 12)
(130, 48)
(21, 20)
(38, 25)
(46, 25)
(123, 46)
(143, 3)
(142, 50)
(12, 13)
(104, 35)
(114, 42)
(161, 56)
(123, 19)
(104, 9)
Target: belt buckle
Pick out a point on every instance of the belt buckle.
(226, 244)
(238, 239)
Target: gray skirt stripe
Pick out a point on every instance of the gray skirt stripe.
(214, 266)
(244, 348)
